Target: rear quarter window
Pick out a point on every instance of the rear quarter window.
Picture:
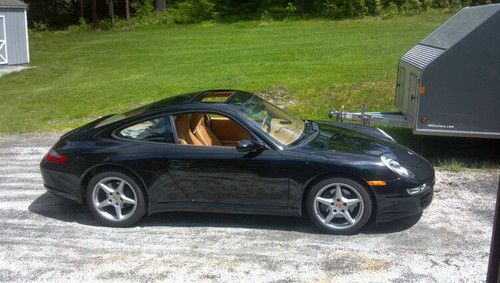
(152, 130)
(119, 117)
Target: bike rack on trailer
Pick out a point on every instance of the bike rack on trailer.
(396, 119)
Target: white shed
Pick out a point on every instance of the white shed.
(14, 47)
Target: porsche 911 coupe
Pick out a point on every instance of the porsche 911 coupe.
(231, 151)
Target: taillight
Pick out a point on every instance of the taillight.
(55, 157)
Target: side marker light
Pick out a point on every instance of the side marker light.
(377, 183)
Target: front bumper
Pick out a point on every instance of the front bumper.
(393, 206)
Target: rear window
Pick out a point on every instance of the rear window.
(118, 117)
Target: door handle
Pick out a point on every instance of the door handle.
(412, 97)
(179, 164)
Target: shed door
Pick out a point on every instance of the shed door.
(400, 89)
(3, 42)
(413, 98)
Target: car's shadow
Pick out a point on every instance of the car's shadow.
(51, 206)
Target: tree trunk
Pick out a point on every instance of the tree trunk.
(160, 5)
(93, 4)
(302, 8)
(81, 9)
(127, 10)
(111, 13)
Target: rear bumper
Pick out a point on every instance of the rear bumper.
(396, 206)
(61, 184)
(62, 194)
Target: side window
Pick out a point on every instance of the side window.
(154, 130)
(207, 129)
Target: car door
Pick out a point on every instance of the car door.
(223, 175)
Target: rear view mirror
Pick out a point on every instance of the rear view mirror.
(248, 146)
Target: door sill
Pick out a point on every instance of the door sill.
(224, 208)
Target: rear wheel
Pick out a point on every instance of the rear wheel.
(339, 206)
(115, 199)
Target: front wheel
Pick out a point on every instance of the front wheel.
(115, 199)
(339, 206)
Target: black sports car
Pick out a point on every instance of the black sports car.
(231, 151)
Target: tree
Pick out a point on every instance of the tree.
(127, 10)
(81, 9)
(111, 12)
(93, 4)
(302, 8)
(160, 5)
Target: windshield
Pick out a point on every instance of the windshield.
(280, 125)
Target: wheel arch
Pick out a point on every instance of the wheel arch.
(91, 172)
(312, 182)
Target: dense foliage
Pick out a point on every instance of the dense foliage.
(62, 13)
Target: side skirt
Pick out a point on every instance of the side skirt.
(222, 208)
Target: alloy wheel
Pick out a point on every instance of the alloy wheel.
(114, 199)
(338, 206)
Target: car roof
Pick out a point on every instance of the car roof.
(226, 98)
(232, 101)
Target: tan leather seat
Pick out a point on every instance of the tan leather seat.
(201, 130)
(228, 131)
(184, 132)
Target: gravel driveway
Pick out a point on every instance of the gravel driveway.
(44, 237)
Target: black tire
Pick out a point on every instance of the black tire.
(133, 185)
(364, 216)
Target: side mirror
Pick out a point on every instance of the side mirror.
(248, 146)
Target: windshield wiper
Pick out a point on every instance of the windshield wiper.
(311, 126)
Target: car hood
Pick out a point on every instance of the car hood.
(350, 138)
(335, 138)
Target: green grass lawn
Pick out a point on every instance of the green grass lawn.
(310, 66)
(317, 64)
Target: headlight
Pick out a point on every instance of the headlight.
(395, 166)
(386, 134)
(417, 190)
